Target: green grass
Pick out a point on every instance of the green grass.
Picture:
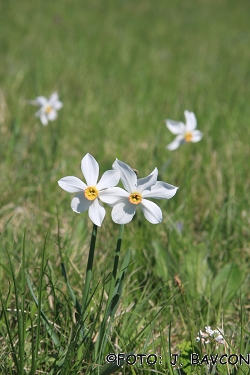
(121, 68)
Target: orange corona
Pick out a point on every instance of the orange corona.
(188, 137)
(135, 198)
(91, 193)
(48, 109)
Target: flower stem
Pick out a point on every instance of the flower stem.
(115, 266)
(89, 268)
(117, 251)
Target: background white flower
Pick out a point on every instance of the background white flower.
(48, 107)
(211, 335)
(89, 195)
(125, 202)
(185, 132)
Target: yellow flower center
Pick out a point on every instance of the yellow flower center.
(188, 137)
(135, 198)
(91, 193)
(48, 109)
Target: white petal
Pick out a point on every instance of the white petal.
(58, 105)
(52, 115)
(44, 118)
(197, 135)
(80, 204)
(55, 102)
(176, 143)
(151, 211)
(96, 212)
(191, 121)
(109, 179)
(90, 169)
(147, 182)
(53, 98)
(176, 127)
(123, 212)
(72, 184)
(161, 190)
(113, 195)
(42, 101)
(128, 176)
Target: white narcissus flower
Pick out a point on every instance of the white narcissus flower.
(185, 132)
(48, 107)
(89, 195)
(125, 202)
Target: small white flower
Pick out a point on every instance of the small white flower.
(211, 335)
(209, 330)
(185, 132)
(219, 339)
(48, 107)
(90, 194)
(218, 336)
(125, 202)
(202, 337)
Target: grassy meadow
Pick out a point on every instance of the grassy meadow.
(121, 68)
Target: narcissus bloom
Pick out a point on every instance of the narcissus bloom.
(48, 107)
(89, 195)
(185, 132)
(125, 202)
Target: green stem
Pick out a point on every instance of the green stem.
(116, 261)
(115, 266)
(89, 268)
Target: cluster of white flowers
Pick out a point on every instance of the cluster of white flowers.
(91, 194)
(211, 335)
